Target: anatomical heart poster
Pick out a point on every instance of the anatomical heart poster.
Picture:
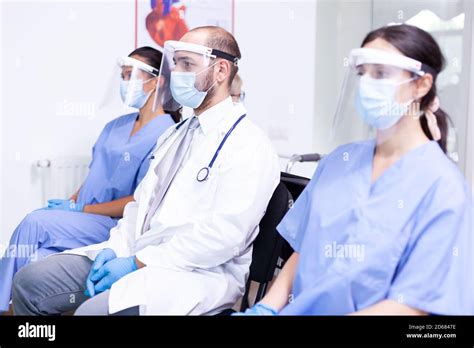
(159, 20)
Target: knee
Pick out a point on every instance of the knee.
(21, 287)
(35, 217)
(28, 225)
(31, 229)
(24, 282)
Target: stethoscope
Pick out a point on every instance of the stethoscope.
(203, 173)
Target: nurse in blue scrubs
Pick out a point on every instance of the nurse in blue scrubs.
(385, 225)
(120, 160)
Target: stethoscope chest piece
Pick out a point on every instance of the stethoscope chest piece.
(203, 174)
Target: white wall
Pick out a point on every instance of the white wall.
(341, 26)
(277, 40)
(57, 58)
(292, 67)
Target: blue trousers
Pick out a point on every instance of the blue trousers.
(45, 232)
(56, 285)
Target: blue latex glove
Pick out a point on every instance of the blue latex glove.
(258, 309)
(112, 271)
(101, 259)
(65, 204)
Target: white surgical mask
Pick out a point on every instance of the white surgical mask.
(375, 102)
(183, 88)
(136, 97)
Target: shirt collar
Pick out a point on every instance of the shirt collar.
(211, 118)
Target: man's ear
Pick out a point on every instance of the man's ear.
(224, 70)
(423, 86)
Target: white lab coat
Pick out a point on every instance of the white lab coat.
(198, 249)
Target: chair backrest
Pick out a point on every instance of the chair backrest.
(267, 246)
(295, 185)
(270, 246)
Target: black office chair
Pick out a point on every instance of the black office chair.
(295, 185)
(270, 246)
(267, 246)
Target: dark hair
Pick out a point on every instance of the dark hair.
(222, 40)
(417, 44)
(154, 57)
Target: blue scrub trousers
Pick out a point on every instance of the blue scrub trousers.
(46, 232)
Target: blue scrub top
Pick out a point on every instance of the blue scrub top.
(119, 162)
(407, 237)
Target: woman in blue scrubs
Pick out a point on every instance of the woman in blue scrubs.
(384, 226)
(120, 160)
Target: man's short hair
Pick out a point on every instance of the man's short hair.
(222, 40)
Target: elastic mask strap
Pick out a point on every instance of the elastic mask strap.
(211, 86)
(154, 77)
(152, 90)
(210, 66)
(407, 81)
(205, 70)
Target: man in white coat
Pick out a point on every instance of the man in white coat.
(184, 245)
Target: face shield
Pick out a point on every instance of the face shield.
(377, 91)
(185, 76)
(136, 82)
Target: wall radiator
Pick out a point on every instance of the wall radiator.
(61, 177)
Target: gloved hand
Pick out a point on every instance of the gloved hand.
(102, 258)
(112, 271)
(65, 204)
(258, 309)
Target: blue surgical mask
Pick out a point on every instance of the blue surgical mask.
(135, 97)
(183, 88)
(375, 102)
